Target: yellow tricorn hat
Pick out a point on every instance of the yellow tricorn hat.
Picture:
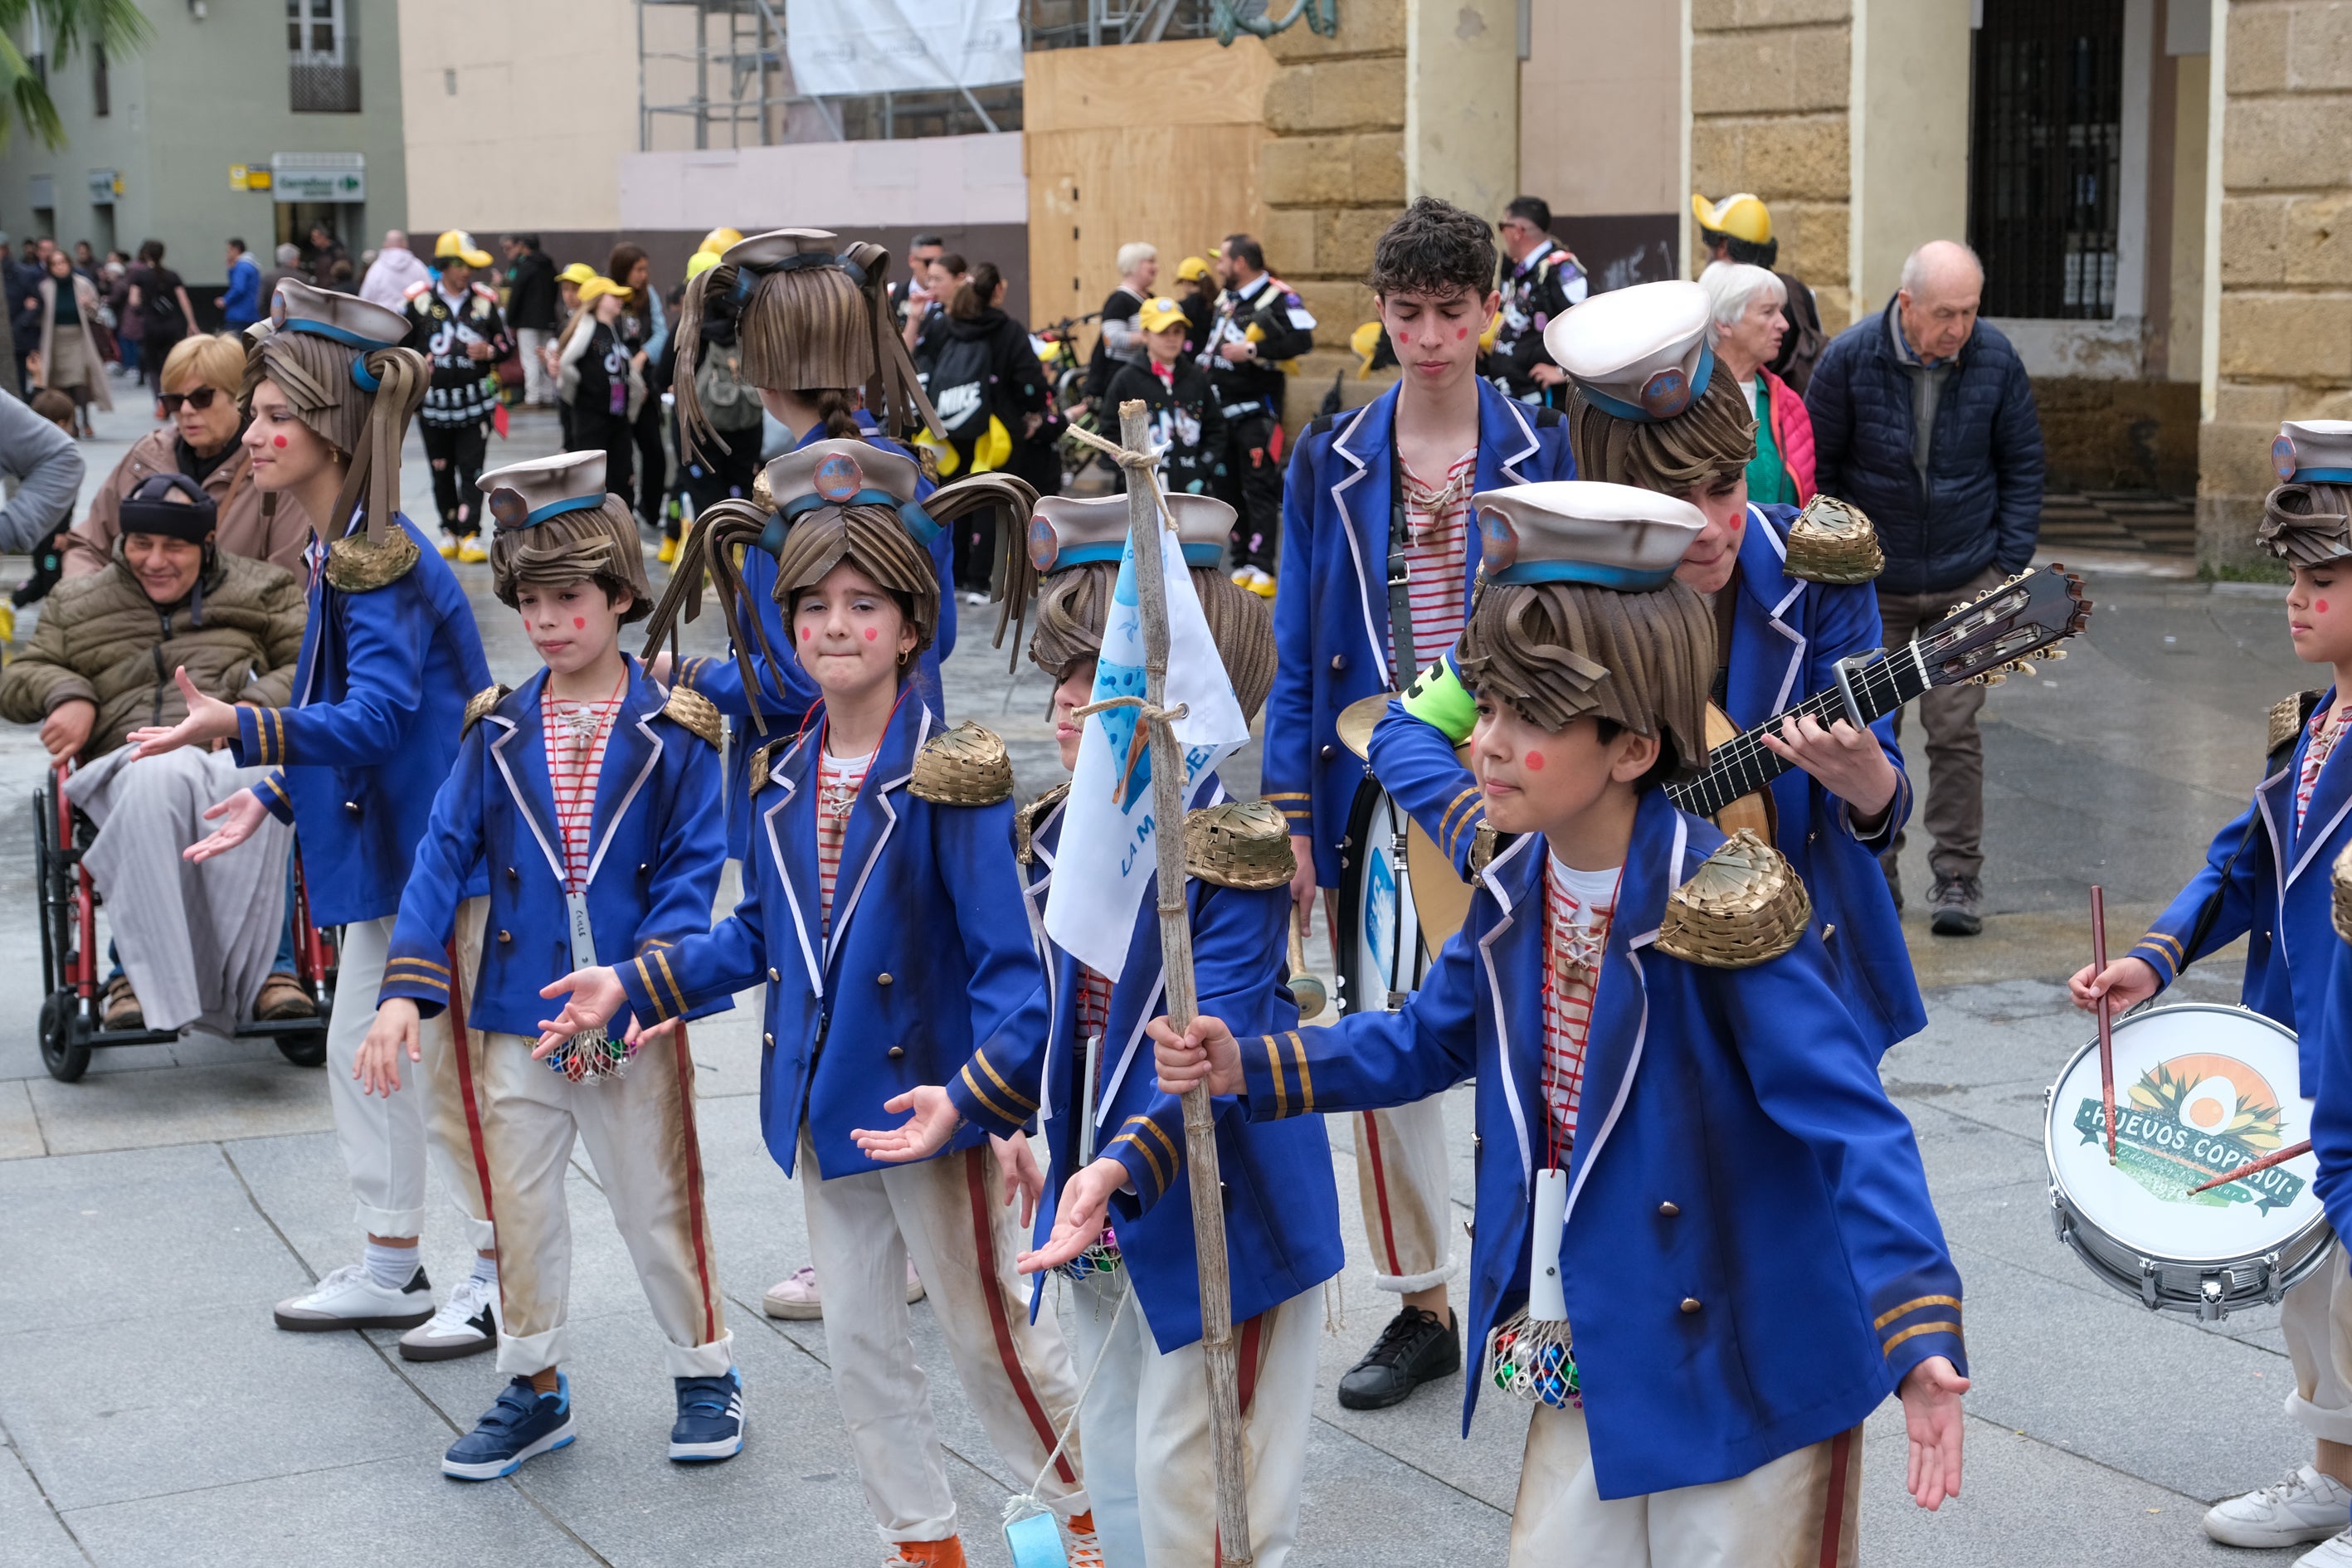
(1742, 216)
(457, 245)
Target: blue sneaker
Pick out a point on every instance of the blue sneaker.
(523, 1424)
(709, 1418)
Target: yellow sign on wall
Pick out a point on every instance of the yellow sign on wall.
(247, 177)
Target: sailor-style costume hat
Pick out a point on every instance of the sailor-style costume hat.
(1637, 353)
(1068, 531)
(2313, 451)
(845, 472)
(1579, 531)
(522, 495)
(343, 317)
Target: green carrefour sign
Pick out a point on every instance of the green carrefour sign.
(304, 179)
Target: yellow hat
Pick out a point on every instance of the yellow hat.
(577, 273)
(1742, 216)
(1159, 315)
(457, 245)
(701, 262)
(1190, 267)
(598, 286)
(1366, 341)
(715, 242)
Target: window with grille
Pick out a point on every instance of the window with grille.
(322, 58)
(2044, 152)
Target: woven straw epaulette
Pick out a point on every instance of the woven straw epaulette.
(2340, 886)
(1744, 905)
(760, 764)
(1831, 542)
(966, 766)
(2288, 716)
(1024, 821)
(481, 702)
(1485, 844)
(694, 712)
(355, 566)
(1239, 844)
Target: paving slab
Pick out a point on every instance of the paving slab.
(20, 1127)
(31, 1533)
(259, 1098)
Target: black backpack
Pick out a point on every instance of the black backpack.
(162, 307)
(959, 388)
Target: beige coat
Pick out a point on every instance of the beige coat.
(89, 547)
(93, 370)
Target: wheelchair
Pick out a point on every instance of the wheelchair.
(73, 964)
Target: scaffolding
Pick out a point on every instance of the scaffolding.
(742, 95)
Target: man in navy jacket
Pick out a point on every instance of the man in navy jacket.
(1923, 417)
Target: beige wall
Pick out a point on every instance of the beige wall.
(1600, 107)
(2185, 327)
(1912, 140)
(545, 105)
(1462, 102)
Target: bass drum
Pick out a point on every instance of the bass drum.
(2200, 1090)
(1398, 900)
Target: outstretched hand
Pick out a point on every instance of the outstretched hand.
(209, 719)
(240, 816)
(592, 997)
(1931, 1414)
(1079, 1218)
(922, 1135)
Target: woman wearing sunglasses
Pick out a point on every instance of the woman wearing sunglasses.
(200, 382)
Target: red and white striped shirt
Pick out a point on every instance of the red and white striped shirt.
(1094, 1003)
(1436, 548)
(2323, 736)
(838, 780)
(576, 733)
(1576, 910)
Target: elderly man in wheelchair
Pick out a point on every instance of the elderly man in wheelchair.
(196, 944)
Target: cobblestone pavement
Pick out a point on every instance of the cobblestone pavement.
(149, 1214)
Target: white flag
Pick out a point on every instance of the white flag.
(1109, 844)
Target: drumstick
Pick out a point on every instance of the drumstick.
(2290, 1151)
(2107, 1030)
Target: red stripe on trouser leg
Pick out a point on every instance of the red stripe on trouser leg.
(1833, 1510)
(976, 1164)
(693, 1210)
(1249, 1359)
(461, 1046)
(1380, 1192)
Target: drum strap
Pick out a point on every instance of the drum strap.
(1408, 661)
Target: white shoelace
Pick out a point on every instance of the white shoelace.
(465, 1303)
(349, 1274)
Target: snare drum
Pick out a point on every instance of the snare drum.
(2199, 1091)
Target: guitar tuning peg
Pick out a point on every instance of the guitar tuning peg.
(1991, 678)
(2022, 666)
(2054, 653)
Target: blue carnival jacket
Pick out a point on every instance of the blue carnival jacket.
(929, 958)
(787, 695)
(2276, 894)
(1282, 1212)
(656, 849)
(379, 694)
(1787, 636)
(1800, 1271)
(2331, 1113)
(1331, 601)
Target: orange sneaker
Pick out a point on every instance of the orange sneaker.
(1078, 1537)
(948, 1553)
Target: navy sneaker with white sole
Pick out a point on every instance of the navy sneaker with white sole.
(523, 1424)
(709, 1418)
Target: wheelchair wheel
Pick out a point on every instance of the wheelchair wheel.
(65, 1037)
(308, 1049)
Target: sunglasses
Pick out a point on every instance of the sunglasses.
(199, 400)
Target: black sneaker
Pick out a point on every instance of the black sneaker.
(1955, 903)
(1414, 1349)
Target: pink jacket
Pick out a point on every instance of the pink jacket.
(1793, 434)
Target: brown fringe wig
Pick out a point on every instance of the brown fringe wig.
(2306, 524)
(365, 428)
(1074, 606)
(1709, 443)
(826, 332)
(599, 543)
(871, 537)
(1557, 651)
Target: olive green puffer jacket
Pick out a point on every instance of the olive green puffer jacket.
(102, 640)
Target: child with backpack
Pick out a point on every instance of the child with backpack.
(1186, 417)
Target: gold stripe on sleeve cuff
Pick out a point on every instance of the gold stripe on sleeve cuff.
(1917, 1329)
(1306, 1082)
(1156, 1132)
(677, 997)
(1912, 1306)
(1149, 1158)
(998, 1079)
(1281, 1088)
(982, 1095)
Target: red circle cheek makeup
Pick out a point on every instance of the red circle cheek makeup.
(278, 441)
(2321, 606)
(579, 623)
(1535, 762)
(871, 633)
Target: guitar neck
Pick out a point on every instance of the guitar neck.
(1743, 764)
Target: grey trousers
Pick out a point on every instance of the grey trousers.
(1955, 793)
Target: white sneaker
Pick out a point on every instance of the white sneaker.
(351, 1298)
(467, 1324)
(2336, 1551)
(796, 1298)
(2306, 1506)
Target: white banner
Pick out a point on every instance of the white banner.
(839, 47)
(1109, 844)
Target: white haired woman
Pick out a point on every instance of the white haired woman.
(1749, 320)
(1121, 343)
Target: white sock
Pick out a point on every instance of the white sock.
(486, 1269)
(392, 1267)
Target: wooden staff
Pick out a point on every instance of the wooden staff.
(2292, 1151)
(1176, 957)
(2106, 1029)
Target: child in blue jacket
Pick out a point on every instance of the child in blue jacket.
(2266, 879)
(882, 915)
(589, 794)
(1116, 1142)
(390, 656)
(1704, 1243)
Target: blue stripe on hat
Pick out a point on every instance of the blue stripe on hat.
(340, 334)
(558, 508)
(1085, 554)
(1618, 408)
(2321, 477)
(1203, 555)
(1626, 579)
